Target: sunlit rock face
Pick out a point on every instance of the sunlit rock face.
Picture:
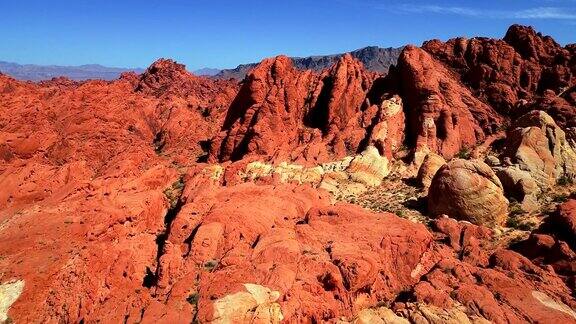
(468, 190)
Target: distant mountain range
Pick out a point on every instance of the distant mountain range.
(207, 72)
(35, 72)
(374, 58)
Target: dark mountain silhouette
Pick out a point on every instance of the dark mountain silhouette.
(374, 58)
(35, 72)
(207, 71)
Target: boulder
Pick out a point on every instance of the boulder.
(432, 163)
(380, 315)
(519, 185)
(468, 190)
(9, 292)
(368, 167)
(255, 305)
(492, 161)
(540, 147)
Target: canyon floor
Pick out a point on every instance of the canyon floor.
(443, 191)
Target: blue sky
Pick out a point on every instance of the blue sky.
(221, 34)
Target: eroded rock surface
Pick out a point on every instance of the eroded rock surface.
(443, 116)
(431, 164)
(290, 115)
(519, 185)
(502, 72)
(9, 292)
(540, 147)
(109, 211)
(468, 190)
(291, 244)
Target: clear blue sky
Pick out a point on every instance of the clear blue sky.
(212, 33)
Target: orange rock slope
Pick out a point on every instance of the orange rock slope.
(132, 200)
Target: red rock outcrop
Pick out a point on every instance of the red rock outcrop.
(501, 72)
(189, 111)
(560, 107)
(443, 116)
(291, 240)
(540, 147)
(458, 92)
(497, 284)
(430, 165)
(562, 223)
(166, 78)
(266, 115)
(56, 124)
(292, 115)
(337, 110)
(106, 213)
(553, 244)
(81, 174)
(82, 178)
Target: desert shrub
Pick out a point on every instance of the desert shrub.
(193, 298)
(464, 153)
(174, 192)
(565, 180)
(210, 265)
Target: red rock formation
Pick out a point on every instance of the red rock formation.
(501, 72)
(442, 115)
(553, 244)
(561, 107)
(287, 114)
(79, 173)
(337, 108)
(57, 124)
(291, 240)
(562, 223)
(190, 108)
(457, 92)
(324, 262)
(105, 214)
(168, 78)
(344, 89)
(266, 115)
(496, 284)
